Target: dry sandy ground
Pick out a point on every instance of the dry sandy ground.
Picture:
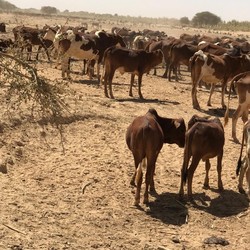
(75, 194)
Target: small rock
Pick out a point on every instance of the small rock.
(175, 239)
(216, 240)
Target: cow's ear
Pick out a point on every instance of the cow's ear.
(177, 124)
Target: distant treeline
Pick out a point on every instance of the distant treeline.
(4, 5)
(200, 20)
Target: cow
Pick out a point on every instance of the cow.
(215, 69)
(145, 137)
(180, 54)
(136, 62)
(3, 27)
(204, 139)
(243, 167)
(26, 37)
(87, 46)
(242, 86)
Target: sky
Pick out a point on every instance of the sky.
(227, 10)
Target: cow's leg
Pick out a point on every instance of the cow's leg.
(244, 117)
(38, 51)
(105, 80)
(236, 115)
(152, 183)
(165, 75)
(29, 52)
(132, 80)
(210, 95)
(110, 78)
(206, 181)
(65, 66)
(223, 90)
(219, 168)
(194, 163)
(149, 176)
(139, 176)
(243, 167)
(248, 180)
(139, 86)
(47, 52)
(194, 95)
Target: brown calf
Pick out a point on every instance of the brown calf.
(145, 137)
(136, 62)
(204, 140)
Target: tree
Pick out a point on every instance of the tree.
(205, 18)
(184, 20)
(49, 10)
(4, 5)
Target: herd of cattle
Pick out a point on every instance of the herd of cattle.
(210, 60)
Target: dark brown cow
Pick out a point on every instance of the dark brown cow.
(204, 140)
(136, 62)
(241, 83)
(2, 27)
(180, 54)
(215, 69)
(145, 137)
(243, 167)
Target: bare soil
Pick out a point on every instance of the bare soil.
(74, 192)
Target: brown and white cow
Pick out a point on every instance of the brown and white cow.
(215, 69)
(136, 62)
(241, 83)
(88, 47)
(243, 167)
(145, 137)
(204, 140)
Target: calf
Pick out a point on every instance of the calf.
(204, 140)
(145, 137)
(136, 62)
(242, 86)
(243, 167)
(214, 69)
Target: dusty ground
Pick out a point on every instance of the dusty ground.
(76, 195)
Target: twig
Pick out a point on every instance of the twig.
(14, 229)
(180, 203)
(88, 184)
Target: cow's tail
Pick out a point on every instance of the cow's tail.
(241, 149)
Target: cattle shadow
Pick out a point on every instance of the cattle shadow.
(218, 112)
(228, 203)
(168, 209)
(139, 100)
(93, 82)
